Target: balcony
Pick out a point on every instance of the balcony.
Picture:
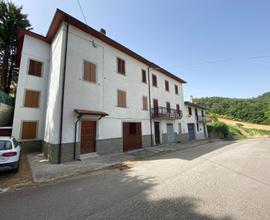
(203, 119)
(165, 113)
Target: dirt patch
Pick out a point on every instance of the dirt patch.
(245, 124)
(10, 180)
(123, 166)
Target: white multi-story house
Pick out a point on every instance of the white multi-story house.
(196, 120)
(80, 92)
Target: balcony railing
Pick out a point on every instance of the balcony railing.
(166, 113)
(204, 119)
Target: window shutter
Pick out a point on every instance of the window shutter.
(35, 68)
(145, 106)
(121, 99)
(29, 130)
(89, 71)
(176, 89)
(31, 99)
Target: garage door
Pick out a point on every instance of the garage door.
(170, 133)
(132, 136)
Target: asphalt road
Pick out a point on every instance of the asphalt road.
(222, 180)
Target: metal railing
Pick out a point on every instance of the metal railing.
(205, 119)
(166, 113)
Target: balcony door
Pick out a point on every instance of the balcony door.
(155, 105)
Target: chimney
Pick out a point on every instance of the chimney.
(191, 99)
(103, 31)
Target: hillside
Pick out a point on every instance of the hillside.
(255, 110)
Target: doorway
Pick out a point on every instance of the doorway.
(157, 133)
(88, 137)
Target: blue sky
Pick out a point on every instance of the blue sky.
(220, 47)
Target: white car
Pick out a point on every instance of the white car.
(10, 153)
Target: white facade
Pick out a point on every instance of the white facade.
(81, 94)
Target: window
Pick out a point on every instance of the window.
(89, 71)
(176, 89)
(145, 106)
(121, 99)
(202, 113)
(132, 128)
(5, 145)
(154, 80)
(166, 85)
(35, 68)
(189, 111)
(198, 128)
(196, 114)
(29, 130)
(31, 99)
(168, 105)
(178, 108)
(144, 76)
(121, 66)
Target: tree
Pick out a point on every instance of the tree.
(11, 19)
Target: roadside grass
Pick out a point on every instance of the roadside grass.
(234, 131)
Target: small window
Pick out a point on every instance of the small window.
(31, 99)
(29, 130)
(121, 66)
(167, 85)
(154, 80)
(176, 89)
(89, 72)
(168, 105)
(189, 111)
(132, 128)
(144, 76)
(198, 128)
(35, 68)
(145, 106)
(121, 99)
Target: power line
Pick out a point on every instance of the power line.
(82, 11)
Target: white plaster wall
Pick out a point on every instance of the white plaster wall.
(37, 50)
(102, 96)
(55, 87)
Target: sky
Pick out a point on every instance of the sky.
(220, 47)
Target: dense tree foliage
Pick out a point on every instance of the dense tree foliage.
(255, 110)
(11, 19)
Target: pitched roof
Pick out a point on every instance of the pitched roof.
(61, 16)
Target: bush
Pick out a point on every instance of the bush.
(6, 99)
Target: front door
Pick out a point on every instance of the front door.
(157, 133)
(170, 133)
(88, 137)
(191, 131)
(132, 135)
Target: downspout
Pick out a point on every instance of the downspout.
(75, 136)
(63, 96)
(150, 114)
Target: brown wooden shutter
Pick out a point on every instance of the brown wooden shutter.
(145, 106)
(35, 68)
(89, 71)
(177, 108)
(31, 99)
(154, 80)
(123, 67)
(118, 65)
(29, 130)
(168, 105)
(144, 76)
(121, 99)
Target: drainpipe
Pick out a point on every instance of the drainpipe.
(63, 96)
(150, 114)
(75, 136)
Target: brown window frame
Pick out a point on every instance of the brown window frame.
(29, 103)
(189, 110)
(92, 75)
(167, 86)
(30, 69)
(154, 80)
(144, 76)
(145, 103)
(121, 103)
(22, 130)
(176, 89)
(121, 66)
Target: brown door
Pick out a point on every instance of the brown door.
(155, 102)
(132, 136)
(88, 137)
